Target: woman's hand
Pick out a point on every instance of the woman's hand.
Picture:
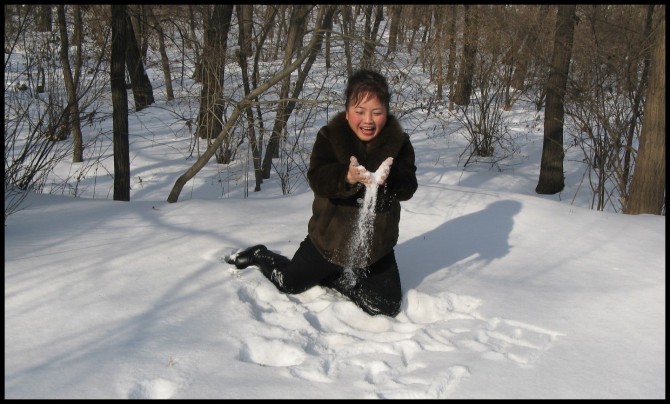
(383, 171)
(357, 173)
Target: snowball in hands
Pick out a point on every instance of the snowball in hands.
(383, 171)
(379, 176)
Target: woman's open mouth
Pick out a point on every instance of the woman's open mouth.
(368, 130)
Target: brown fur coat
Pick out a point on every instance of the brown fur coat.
(337, 204)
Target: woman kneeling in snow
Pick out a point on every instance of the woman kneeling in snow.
(356, 213)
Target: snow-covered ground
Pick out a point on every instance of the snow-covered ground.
(507, 294)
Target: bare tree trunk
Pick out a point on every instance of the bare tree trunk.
(395, 12)
(281, 31)
(371, 29)
(466, 73)
(244, 36)
(451, 63)
(647, 193)
(78, 39)
(637, 101)
(328, 49)
(210, 115)
(269, 22)
(197, 72)
(246, 101)
(415, 26)
(441, 42)
(120, 103)
(44, 18)
(347, 28)
(72, 108)
(551, 179)
(299, 14)
(245, 18)
(165, 61)
(77, 34)
(143, 92)
(138, 20)
(526, 54)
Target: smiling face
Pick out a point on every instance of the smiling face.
(367, 118)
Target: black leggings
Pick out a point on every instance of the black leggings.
(375, 289)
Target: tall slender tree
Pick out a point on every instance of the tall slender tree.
(647, 194)
(395, 12)
(44, 18)
(466, 72)
(245, 19)
(143, 92)
(551, 179)
(637, 107)
(165, 61)
(72, 109)
(244, 37)
(451, 63)
(120, 103)
(440, 14)
(370, 35)
(529, 41)
(210, 115)
(347, 27)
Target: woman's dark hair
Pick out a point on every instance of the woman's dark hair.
(364, 83)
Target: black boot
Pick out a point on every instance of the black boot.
(272, 266)
(246, 257)
(270, 263)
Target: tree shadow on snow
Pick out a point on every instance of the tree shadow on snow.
(480, 236)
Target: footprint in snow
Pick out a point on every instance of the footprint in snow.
(435, 387)
(271, 352)
(336, 338)
(516, 341)
(153, 389)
